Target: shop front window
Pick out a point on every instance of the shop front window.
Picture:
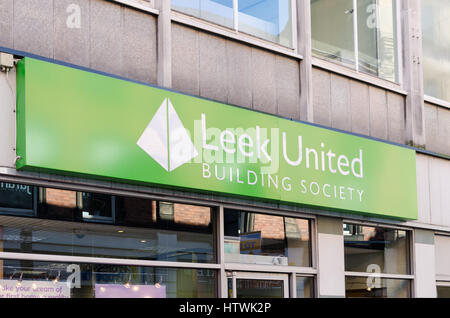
(443, 291)
(97, 225)
(17, 198)
(270, 20)
(370, 254)
(361, 34)
(32, 279)
(304, 287)
(360, 287)
(253, 238)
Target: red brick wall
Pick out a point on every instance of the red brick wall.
(192, 215)
(62, 198)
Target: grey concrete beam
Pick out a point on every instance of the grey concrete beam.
(164, 68)
(424, 264)
(304, 48)
(413, 72)
(8, 118)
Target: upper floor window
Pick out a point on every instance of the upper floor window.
(436, 48)
(357, 33)
(267, 19)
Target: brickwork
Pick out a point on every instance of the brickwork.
(192, 215)
(61, 198)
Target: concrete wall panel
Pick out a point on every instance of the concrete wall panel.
(105, 37)
(288, 87)
(239, 71)
(33, 26)
(396, 118)
(6, 25)
(359, 108)
(139, 46)
(340, 102)
(322, 97)
(185, 59)
(72, 40)
(213, 67)
(378, 113)
(264, 81)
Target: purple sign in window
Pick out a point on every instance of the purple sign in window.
(130, 291)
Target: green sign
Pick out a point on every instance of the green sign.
(75, 122)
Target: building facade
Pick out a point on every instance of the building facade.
(81, 215)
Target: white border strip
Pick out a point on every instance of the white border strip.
(381, 275)
(348, 72)
(229, 33)
(436, 101)
(97, 260)
(240, 267)
(146, 6)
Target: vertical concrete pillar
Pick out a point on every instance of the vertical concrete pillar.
(305, 49)
(164, 69)
(1, 250)
(424, 264)
(413, 72)
(7, 119)
(330, 257)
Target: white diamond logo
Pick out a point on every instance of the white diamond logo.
(166, 140)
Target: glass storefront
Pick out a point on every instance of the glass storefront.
(73, 223)
(371, 252)
(375, 287)
(103, 240)
(95, 231)
(31, 279)
(254, 238)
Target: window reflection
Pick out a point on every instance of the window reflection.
(443, 291)
(268, 19)
(29, 279)
(76, 223)
(359, 287)
(436, 48)
(266, 239)
(305, 287)
(337, 26)
(216, 11)
(375, 250)
(16, 197)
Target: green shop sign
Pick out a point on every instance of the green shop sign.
(79, 123)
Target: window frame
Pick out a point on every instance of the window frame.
(410, 257)
(353, 70)
(22, 212)
(236, 34)
(441, 280)
(217, 208)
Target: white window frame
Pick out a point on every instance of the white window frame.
(353, 70)
(144, 5)
(235, 34)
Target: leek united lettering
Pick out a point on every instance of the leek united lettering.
(325, 162)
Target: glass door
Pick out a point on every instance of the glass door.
(257, 285)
